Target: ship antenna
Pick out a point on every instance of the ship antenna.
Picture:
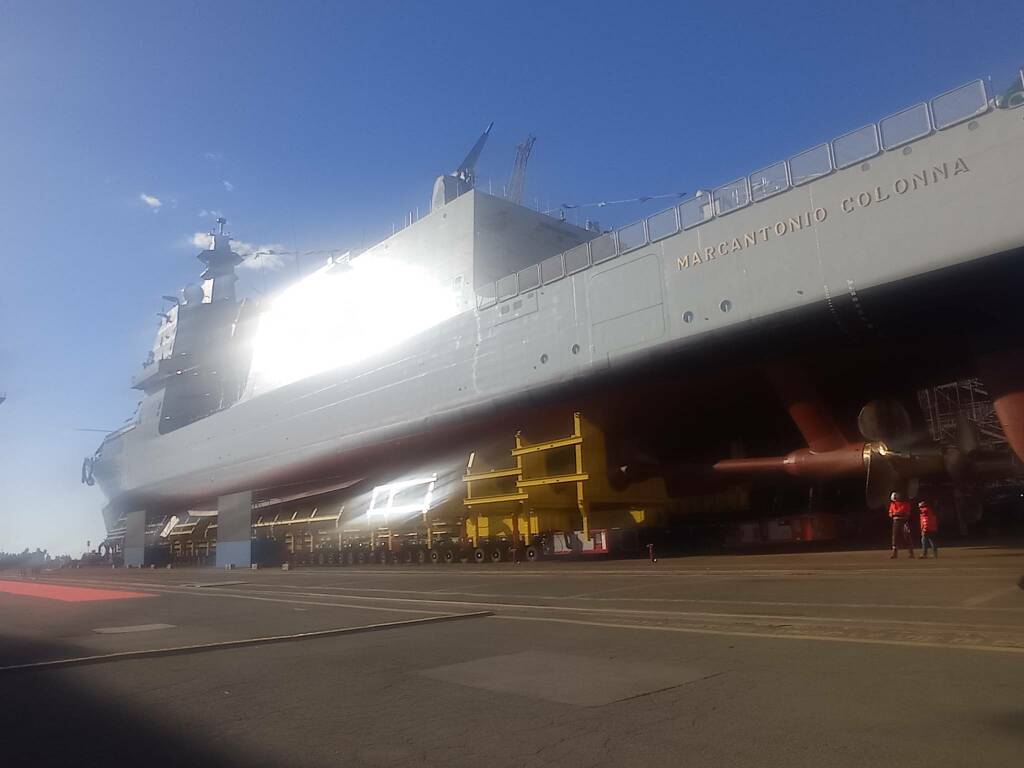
(221, 221)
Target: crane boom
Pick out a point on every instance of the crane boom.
(518, 178)
(466, 169)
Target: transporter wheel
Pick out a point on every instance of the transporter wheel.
(479, 555)
(394, 558)
(422, 556)
(408, 556)
(449, 556)
(347, 557)
(531, 553)
(361, 557)
(495, 554)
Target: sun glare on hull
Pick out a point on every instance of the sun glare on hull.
(344, 314)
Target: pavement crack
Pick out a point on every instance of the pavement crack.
(662, 690)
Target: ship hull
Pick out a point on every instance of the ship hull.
(873, 280)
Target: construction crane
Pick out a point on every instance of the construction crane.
(514, 192)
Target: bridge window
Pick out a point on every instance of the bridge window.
(855, 146)
(552, 269)
(602, 248)
(695, 211)
(769, 181)
(730, 197)
(508, 287)
(810, 165)
(632, 237)
(960, 104)
(529, 278)
(577, 258)
(662, 225)
(906, 126)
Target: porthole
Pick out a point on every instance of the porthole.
(725, 306)
(544, 358)
(687, 316)
(575, 349)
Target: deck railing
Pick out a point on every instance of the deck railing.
(897, 130)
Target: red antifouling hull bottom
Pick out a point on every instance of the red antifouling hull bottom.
(1003, 374)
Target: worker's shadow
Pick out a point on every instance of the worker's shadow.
(55, 718)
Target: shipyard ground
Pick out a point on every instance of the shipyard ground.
(838, 659)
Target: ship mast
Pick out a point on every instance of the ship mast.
(220, 263)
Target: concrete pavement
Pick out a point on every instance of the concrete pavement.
(831, 658)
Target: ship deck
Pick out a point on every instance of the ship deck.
(838, 658)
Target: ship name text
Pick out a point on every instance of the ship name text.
(811, 218)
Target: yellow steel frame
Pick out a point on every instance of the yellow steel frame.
(469, 478)
(579, 477)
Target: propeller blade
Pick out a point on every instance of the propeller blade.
(967, 438)
(885, 421)
(882, 480)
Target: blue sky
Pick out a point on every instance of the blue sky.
(318, 125)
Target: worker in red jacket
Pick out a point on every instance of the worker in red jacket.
(929, 527)
(899, 512)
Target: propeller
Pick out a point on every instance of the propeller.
(897, 456)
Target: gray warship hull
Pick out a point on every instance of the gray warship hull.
(864, 253)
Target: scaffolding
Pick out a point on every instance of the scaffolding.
(943, 404)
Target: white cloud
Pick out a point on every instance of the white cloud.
(150, 200)
(270, 256)
(214, 157)
(228, 186)
(204, 213)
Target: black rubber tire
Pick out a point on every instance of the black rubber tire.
(347, 557)
(495, 554)
(448, 556)
(422, 556)
(479, 555)
(361, 557)
(435, 556)
(531, 553)
(408, 556)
